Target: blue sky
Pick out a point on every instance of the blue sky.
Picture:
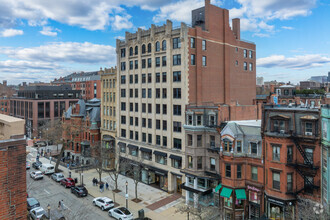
(42, 40)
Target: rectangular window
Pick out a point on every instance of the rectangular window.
(203, 44)
(239, 171)
(254, 148)
(164, 93)
(177, 93)
(149, 123)
(289, 182)
(144, 137)
(131, 121)
(250, 54)
(158, 124)
(164, 77)
(212, 164)
(143, 63)
(123, 106)
(149, 138)
(143, 107)
(157, 140)
(136, 64)
(157, 108)
(192, 59)
(123, 80)
(131, 64)
(204, 60)
(131, 107)
(176, 43)
(123, 133)
(136, 121)
(245, 53)
(149, 62)
(190, 120)
(157, 77)
(122, 52)
(164, 141)
(136, 136)
(149, 108)
(251, 66)
(199, 140)
(176, 109)
(176, 126)
(136, 78)
(149, 78)
(164, 125)
(192, 42)
(228, 170)
(199, 162)
(177, 76)
(199, 120)
(189, 140)
(144, 93)
(245, 65)
(123, 119)
(122, 66)
(136, 107)
(157, 93)
(161, 159)
(164, 61)
(136, 93)
(177, 143)
(149, 93)
(176, 59)
(254, 173)
(190, 162)
(144, 122)
(289, 156)
(143, 78)
(157, 61)
(239, 146)
(276, 153)
(131, 93)
(276, 180)
(308, 128)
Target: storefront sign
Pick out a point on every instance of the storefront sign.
(253, 188)
(276, 201)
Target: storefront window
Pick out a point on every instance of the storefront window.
(163, 183)
(276, 212)
(239, 204)
(253, 197)
(201, 183)
(228, 202)
(191, 181)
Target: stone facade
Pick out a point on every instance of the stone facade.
(325, 186)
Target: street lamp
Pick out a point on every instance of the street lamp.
(126, 196)
(82, 179)
(48, 207)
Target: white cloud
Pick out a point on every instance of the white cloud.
(287, 28)
(297, 62)
(261, 35)
(260, 12)
(121, 22)
(180, 11)
(49, 31)
(11, 32)
(120, 37)
(65, 52)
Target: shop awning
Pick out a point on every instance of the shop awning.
(218, 188)
(133, 146)
(145, 150)
(122, 144)
(226, 192)
(172, 156)
(240, 194)
(160, 153)
(108, 138)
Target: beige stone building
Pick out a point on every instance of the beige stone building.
(108, 115)
(152, 67)
(10, 126)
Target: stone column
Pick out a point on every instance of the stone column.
(195, 194)
(187, 192)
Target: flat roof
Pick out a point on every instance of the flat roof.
(8, 118)
(256, 123)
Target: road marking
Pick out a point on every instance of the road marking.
(67, 207)
(47, 192)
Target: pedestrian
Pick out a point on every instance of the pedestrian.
(59, 204)
(107, 185)
(62, 205)
(102, 184)
(100, 187)
(94, 181)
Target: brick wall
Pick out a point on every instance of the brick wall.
(13, 180)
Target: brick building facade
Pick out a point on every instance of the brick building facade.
(12, 168)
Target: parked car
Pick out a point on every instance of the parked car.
(37, 213)
(36, 175)
(104, 203)
(28, 165)
(120, 213)
(67, 182)
(47, 168)
(57, 177)
(32, 203)
(79, 191)
(37, 165)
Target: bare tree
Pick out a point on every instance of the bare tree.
(114, 175)
(199, 213)
(310, 210)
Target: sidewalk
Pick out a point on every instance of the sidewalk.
(162, 205)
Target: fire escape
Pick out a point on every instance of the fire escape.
(307, 170)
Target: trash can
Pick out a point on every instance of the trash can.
(141, 213)
(75, 180)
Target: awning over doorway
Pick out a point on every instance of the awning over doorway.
(145, 150)
(226, 192)
(172, 156)
(160, 153)
(218, 188)
(240, 194)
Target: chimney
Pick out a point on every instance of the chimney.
(207, 2)
(236, 28)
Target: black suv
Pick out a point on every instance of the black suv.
(36, 165)
(80, 191)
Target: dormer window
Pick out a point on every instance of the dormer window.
(227, 145)
(308, 128)
(199, 120)
(279, 126)
(253, 148)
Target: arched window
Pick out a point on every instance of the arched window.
(164, 45)
(136, 50)
(149, 48)
(157, 46)
(131, 51)
(143, 49)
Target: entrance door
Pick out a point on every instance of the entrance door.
(178, 184)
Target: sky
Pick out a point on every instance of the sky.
(42, 40)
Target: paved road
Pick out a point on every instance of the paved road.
(47, 191)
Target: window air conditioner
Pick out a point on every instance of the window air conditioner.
(309, 133)
(282, 131)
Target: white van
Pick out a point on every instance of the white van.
(47, 168)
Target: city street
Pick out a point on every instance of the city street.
(47, 191)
